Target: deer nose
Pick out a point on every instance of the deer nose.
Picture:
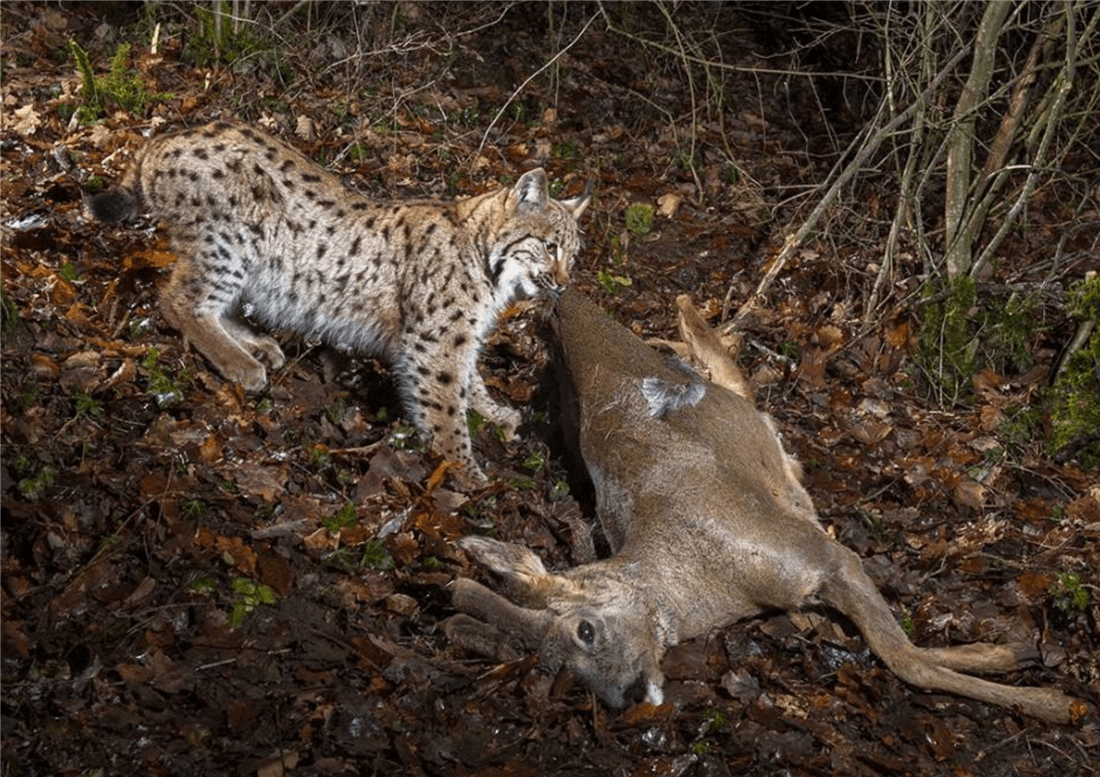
(635, 692)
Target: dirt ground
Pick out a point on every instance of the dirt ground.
(202, 582)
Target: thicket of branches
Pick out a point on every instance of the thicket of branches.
(972, 118)
(962, 121)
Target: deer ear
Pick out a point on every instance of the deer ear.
(520, 568)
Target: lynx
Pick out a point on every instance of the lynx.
(261, 230)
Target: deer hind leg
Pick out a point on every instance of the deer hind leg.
(851, 591)
(708, 352)
(198, 301)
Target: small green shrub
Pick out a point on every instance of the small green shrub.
(122, 85)
(165, 388)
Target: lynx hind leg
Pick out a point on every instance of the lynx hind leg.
(197, 307)
(506, 418)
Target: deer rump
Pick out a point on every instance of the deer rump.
(708, 524)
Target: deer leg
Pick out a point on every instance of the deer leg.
(851, 591)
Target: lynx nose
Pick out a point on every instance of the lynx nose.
(636, 691)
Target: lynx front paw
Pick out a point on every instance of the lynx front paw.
(469, 478)
(270, 351)
(251, 375)
(258, 345)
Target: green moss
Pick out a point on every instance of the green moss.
(962, 335)
(639, 218)
(946, 346)
(1074, 407)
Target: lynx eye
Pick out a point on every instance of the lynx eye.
(586, 632)
(551, 247)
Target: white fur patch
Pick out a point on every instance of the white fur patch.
(663, 397)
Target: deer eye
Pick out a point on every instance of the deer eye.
(586, 632)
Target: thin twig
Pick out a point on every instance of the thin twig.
(530, 78)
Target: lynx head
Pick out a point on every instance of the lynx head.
(590, 619)
(537, 238)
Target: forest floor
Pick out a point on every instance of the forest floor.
(202, 582)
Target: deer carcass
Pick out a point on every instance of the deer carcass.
(708, 523)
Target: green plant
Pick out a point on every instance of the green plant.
(346, 516)
(252, 595)
(10, 314)
(193, 509)
(907, 624)
(375, 556)
(714, 718)
(559, 491)
(336, 410)
(21, 464)
(790, 350)
(318, 457)
(639, 218)
(401, 437)
(1021, 425)
(613, 282)
(535, 461)
(702, 747)
(68, 272)
(568, 150)
(86, 405)
(1069, 594)
(474, 421)
(164, 388)
(946, 346)
(205, 585)
(223, 40)
(32, 487)
(29, 393)
(961, 335)
(122, 85)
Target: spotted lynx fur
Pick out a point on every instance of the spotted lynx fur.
(260, 229)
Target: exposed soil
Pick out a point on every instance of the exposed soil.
(202, 582)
